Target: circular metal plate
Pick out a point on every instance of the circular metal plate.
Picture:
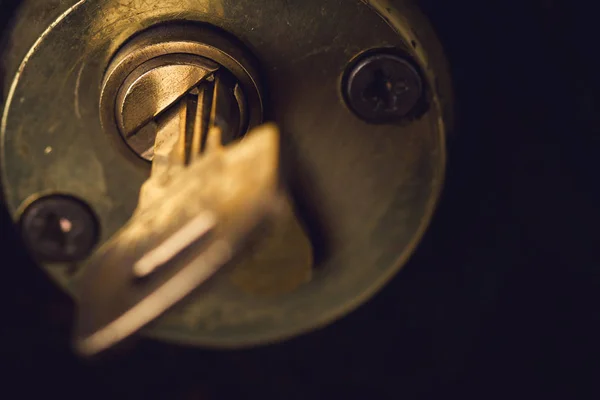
(365, 192)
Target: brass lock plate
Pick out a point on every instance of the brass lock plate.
(364, 192)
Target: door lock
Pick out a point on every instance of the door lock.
(202, 203)
(135, 158)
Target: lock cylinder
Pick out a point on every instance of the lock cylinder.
(167, 64)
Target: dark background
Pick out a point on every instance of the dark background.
(501, 299)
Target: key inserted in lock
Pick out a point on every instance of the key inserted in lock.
(199, 208)
(365, 186)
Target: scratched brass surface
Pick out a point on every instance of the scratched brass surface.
(365, 193)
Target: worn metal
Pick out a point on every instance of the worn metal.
(158, 84)
(197, 209)
(365, 199)
(383, 87)
(59, 229)
(172, 245)
(155, 86)
(157, 67)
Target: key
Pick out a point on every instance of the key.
(200, 206)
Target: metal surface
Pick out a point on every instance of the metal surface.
(157, 67)
(158, 258)
(155, 86)
(197, 209)
(365, 199)
(59, 229)
(383, 88)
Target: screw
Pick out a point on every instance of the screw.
(59, 229)
(383, 88)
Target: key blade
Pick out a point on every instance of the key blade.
(157, 301)
(175, 244)
(236, 186)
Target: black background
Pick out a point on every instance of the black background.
(500, 300)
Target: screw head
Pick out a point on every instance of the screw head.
(59, 229)
(383, 88)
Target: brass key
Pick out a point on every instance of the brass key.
(201, 204)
